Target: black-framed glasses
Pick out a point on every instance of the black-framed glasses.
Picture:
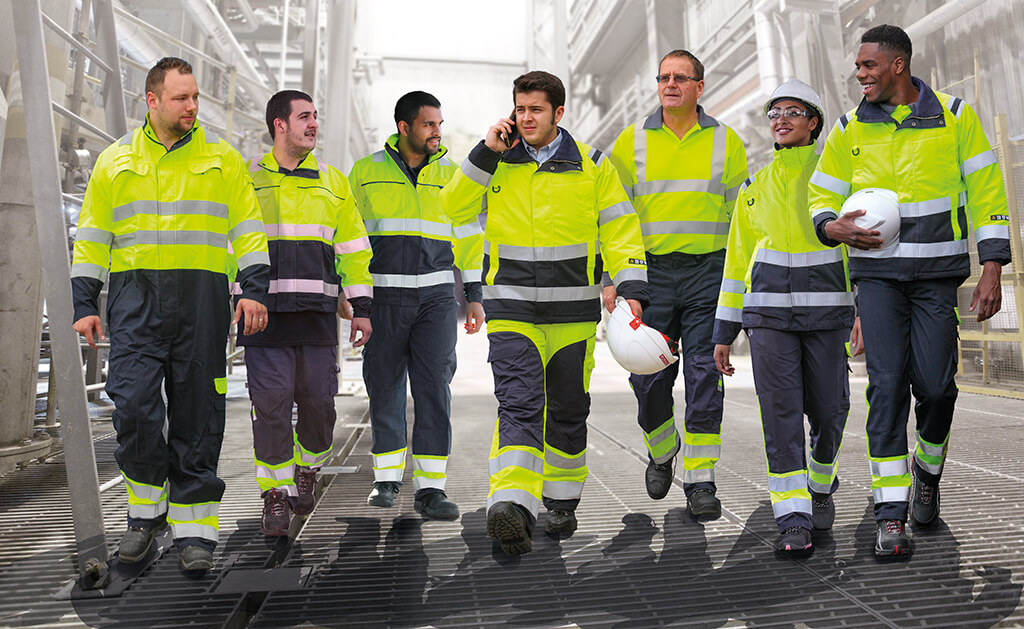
(678, 78)
(790, 112)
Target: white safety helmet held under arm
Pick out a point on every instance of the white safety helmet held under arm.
(882, 208)
(640, 349)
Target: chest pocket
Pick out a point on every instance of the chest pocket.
(316, 204)
(938, 165)
(873, 166)
(573, 212)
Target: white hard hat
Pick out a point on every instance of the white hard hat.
(795, 89)
(640, 349)
(883, 212)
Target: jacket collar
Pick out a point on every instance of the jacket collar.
(926, 113)
(149, 132)
(797, 156)
(567, 156)
(655, 121)
(308, 168)
(391, 149)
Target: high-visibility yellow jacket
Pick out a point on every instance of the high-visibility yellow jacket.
(935, 156)
(777, 274)
(150, 209)
(414, 243)
(316, 237)
(551, 230)
(683, 189)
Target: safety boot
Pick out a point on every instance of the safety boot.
(195, 558)
(658, 478)
(137, 542)
(305, 484)
(892, 539)
(435, 505)
(823, 511)
(924, 502)
(276, 513)
(703, 502)
(560, 521)
(510, 527)
(795, 539)
(383, 494)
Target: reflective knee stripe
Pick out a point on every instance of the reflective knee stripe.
(279, 476)
(663, 441)
(146, 502)
(700, 453)
(311, 459)
(789, 493)
(517, 475)
(821, 475)
(198, 520)
(931, 456)
(428, 471)
(564, 474)
(389, 466)
(890, 479)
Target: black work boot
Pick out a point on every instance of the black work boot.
(137, 541)
(305, 484)
(795, 539)
(277, 515)
(560, 521)
(823, 511)
(892, 539)
(703, 502)
(383, 494)
(435, 505)
(507, 524)
(924, 501)
(195, 558)
(658, 478)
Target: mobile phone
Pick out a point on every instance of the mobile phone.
(510, 139)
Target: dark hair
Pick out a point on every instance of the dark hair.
(155, 77)
(280, 106)
(540, 81)
(698, 67)
(890, 38)
(408, 106)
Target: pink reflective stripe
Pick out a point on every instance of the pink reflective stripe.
(283, 230)
(235, 288)
(359, 244)
(359, 290)
(315, 287)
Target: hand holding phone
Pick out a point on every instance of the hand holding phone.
(509, 139)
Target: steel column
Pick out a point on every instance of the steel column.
(113, 88)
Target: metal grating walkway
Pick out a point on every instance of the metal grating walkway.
(633, 562)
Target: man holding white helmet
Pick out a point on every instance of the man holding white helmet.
(792, 296)
(930, 149)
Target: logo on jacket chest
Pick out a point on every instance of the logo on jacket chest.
(495, 189)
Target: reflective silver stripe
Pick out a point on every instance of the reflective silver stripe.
(565, 463)
(427, 482)
(147, 511)
(622, 208)
(444, 161)
(277, 475)
(725, 313)
(192, 529)
(701, 452)
(685, 227)
(787, 483)
(791, 505)
(925, 208)
(825, 469)
(253, 257)
(358, 290)
(797, 300)
(832, 184)
(475, 173)
(931, 450)
(516, 458)
(142, 491)
(678, 185)
(312, 287)
(563, 489)
(889, 468)
(380, 156)
(979, 161)
(640, 150)
(985, 232)
(731, 194)
(473, 275)
(126, 139)
(916, 250)
(891, 494)
(664, 435)
(192, 513)
(417, 225)
(467, 230)
(385, 474)
(87, 269)
(931, 468)
(91, 234)
(542, 293)
(518, 496)
(542, 254)
(841, 123)
(389, 459)
(245, 227)
(314, 460)
(733, 286)
(382, 280)
(211, 136)
(718, 156)
(824, 210)
(169, 208)
(794, 260)
(429, 465)
(629, 192)
(626, 275)
(175, 237)
(819, 488)
(699, 476)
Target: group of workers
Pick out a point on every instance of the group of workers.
(544, 230)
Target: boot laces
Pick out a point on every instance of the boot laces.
(894, 527)
(305, 481)
(792, 529)
(926, 494)
(276, 504)
(822, 501)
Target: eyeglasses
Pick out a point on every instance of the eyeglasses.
(790, 112)
(678, 78)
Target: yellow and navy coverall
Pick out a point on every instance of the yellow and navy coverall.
(317, 246)
(551, 230)
(933, 153)
(684, 190)
(792, 295)
(163, 223)
(415, 247)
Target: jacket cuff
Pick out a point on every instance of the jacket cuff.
(725, 332)
(474, 291)
(484, 158)
(819, 230)
(635, 289)
(85, 295)
(994, 250)
(606, 280)
(255, 282)
(361, 307)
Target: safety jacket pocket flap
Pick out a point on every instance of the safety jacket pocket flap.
(204, 164)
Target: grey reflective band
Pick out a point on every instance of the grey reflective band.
(881, 469)
(472, 275)
(678, 185)
(415, 225)
(797, 300)
(629, 192)
(957, 106)
(87, 269)
(516, 458)
(518, 496)
(685, 227)
(787, 483)
(126, 139)
(931, 450)
(830, 183)
(253, 257)
(932, 468)
(916, 250)
(731, 194)
(563, 489)
(664, 435)
(699, 476)
(791, 505)
(726, 313)
(979, 161)
(701, 452)
(823, 210)
(169, 208)
(193, 529)
(825, 469)
(891, 494)
(475, 173)
(718, 155)
(799, 260)
(542, 254)
(444, 161)
(630, 275)
(211, 137)
(842, 122)
(467, 230)
(252, 226)
(542, 293)
(564, 462)
(609, 214)
(985, 232)
(170, 237)
(91, 234)
(734, 286)
(307, 287)
(925, 208)
(640, 150)
(380, 156)
(437, 278)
